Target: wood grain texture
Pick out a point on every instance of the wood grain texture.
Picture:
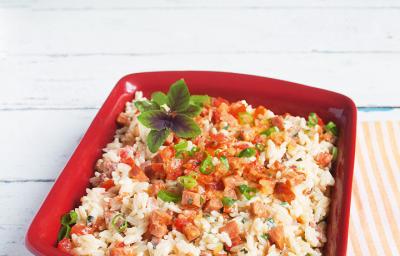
(60, 59)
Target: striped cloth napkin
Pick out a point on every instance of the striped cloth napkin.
(375, 207)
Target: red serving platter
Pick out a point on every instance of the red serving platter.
(279, 96)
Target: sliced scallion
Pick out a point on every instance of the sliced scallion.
(187, 182)
(63, 233)
(69, 218)
(331, 127)
(119, 223)
(227, 201)
(207, 167)
(312, 119)
(247, 152)
(270, 131)
(224, 162)
(167, 196)
(247, 191)
(245, 118)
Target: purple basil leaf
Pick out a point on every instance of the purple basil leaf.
(184, 126)
(156, 138)
(155, 119)
(192, 111)
(178, 96)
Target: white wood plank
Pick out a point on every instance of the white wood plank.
(19, 201)
(151, 31)
(45, 140)
(85, 81)
(37, 144)
(117, 4)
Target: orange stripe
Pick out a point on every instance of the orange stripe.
(354, 239)
(357, 200)
(395, 149)
(388, 167)
(380, 186)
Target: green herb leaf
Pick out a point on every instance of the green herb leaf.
(178, 96)
(69, 218)
(312, 119)
(155, 119)
(331, 127)
(63, 233)
(224, 162)
(192, 111)
(207, 167)
(265, 236)
(145, 105)
(200, 100)
(187, 182)
(227, 201)
(156, 138)
(167, 196)
(160, 98)
(184, 127)
(247, 152)
(119, 223)
(193, 151)
(247, 191)
(270, 131)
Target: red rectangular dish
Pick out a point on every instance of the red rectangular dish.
(279, 96)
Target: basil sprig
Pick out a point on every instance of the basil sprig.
(171, 112)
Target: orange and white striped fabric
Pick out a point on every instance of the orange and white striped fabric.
(375, 208)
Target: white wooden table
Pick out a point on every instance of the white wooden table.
(59, 60)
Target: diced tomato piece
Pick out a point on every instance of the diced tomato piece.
(107, 184)
(167, 154)
(231, 228)
(283, 191)
(237, 108)
(218, 101)
(179, 223)
(137, 173)
(190, 199)
(278, 122)
(81, 229)
(260, 110)
(65, 245)
(276, 236)
(125, 158)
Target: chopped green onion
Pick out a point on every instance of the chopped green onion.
(265, 236)
(187, 182)
(260, 147)
(247, 191)
(270, 131)
(167, 196)
(181, 145)
(63, 233)
(193, 151)
(334, 153)
(285, 204)
(119, 223)
(312, 119)
(331, 127)
(69, 218)
(207, 167)
(225, 162)
(247, 152)
(227, 201)
(245, 118)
